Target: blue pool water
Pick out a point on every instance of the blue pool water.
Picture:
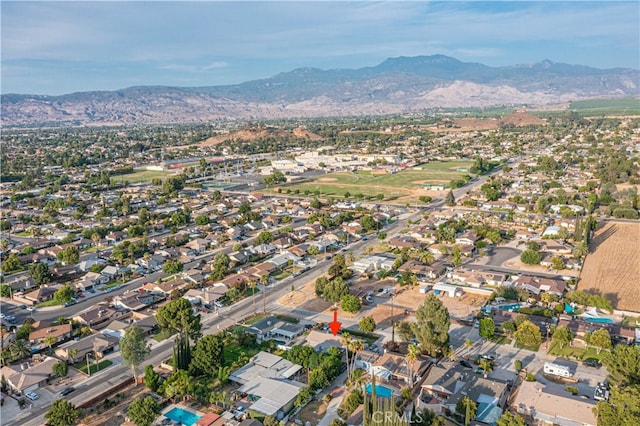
(600, 320)
(183, 416)
(380, 391)
(509, 307)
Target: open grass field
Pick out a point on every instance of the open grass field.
(405, 185)
(612, 267)
(142, 175)
(607, 106)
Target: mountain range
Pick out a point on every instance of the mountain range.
(397, 85)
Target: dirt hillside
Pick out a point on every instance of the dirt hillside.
(613, 266)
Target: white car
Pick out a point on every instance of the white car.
(31, 395)
(31, 309)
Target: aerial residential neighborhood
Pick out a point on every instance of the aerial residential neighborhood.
(320, 213)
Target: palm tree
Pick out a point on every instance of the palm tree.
(20, 348)
(252, 285)
(264, 280)
(486, 365)
(346, 343)
(412, 356)
(427, 257)
(357, 346)
(95, 237)
(49, 341)
(71, 355)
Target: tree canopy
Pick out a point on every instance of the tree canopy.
(134, 348)
(432, 325)
(143, 411)
(207, 356)
(62, 413)
(177, 315)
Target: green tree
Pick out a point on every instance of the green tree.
(450, 199)
(202, 220)
(509, 419)
(335, 290)
(467, 409)
(60, 369)
(622, 408)
(562, 336)
(62, 413)
(40, 273)
(69, 256)
(5, 290)
(11, 264)
(623, 365)
(181, 353)
(528, 335)
(152, 379)
(220, 266)
(432, 325)
(557, 263)
(143, 411)
(530, 257)
(367, 324)
(177, 315)
(208, 355)
(600, 339)
(179, 385)
(172, 266)
(487, 328)
(134, 348)
(63, 294)
(350, 303)
(265, 237)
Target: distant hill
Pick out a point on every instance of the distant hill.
(396, 85)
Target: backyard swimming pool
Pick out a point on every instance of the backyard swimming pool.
(600, 320)
(382, 391)
(183, 416)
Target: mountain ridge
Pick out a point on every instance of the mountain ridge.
(399, 84)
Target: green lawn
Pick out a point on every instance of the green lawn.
(392, 186)
(500, 339)
(255, 319)
(232, 352)
(142, 175)
(288, 319)
(162, 334)
(51, 302)
(281, 275)
(368, 338)
(93, 368)
(529, 348)
(579, 354)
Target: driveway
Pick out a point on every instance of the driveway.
(499, 255)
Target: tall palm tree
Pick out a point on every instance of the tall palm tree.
(357, 346)
(49, 341)
(71, 355)
(346, 343)
(95, 237)
(252, 285)
(264, 280)
(486, 365)
(412, 356)
(19, 349)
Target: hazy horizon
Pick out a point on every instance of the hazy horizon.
(53, 48)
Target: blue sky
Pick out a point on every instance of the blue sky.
(53, 47)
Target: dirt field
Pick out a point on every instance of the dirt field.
(613, 266)
(515, 263)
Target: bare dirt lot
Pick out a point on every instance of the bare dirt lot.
(612, 268)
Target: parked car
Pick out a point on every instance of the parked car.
(22, 306)
(31, 309)
(69, 303)
(465, 364)
(591, 363)
(31, 395)
(67, 391)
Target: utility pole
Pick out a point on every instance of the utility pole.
(393, 322)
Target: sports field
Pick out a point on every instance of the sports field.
(405, 185)
(143, 175)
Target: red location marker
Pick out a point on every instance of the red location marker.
(335, 325)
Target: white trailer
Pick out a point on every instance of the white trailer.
(557, 370)
(451, 290)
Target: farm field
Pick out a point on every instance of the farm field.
(142, 175)
(612, 268)
(402, 186)
(608, 106)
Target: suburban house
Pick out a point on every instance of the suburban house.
(96, 344)
(118, 328)
(206, 296)
(421, 271)
(537, 285)
(269, 381)
(448, 382)
(321, 342)
(21, 379)
(98, 316)
(271, 328)
(551, 405)
(46, 335)
(40, 294)
(21, 283)
(390, 367)
(371, 264)
(90, 280)
(468, 238)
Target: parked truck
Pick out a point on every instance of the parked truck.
(557, 370)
